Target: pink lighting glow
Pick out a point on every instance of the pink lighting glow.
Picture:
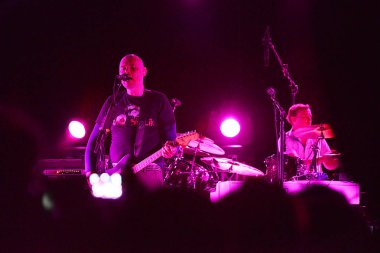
(230, 128)
(350, 190)
(106, 186)
(77, 129)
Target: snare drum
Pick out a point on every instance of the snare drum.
(293, 166)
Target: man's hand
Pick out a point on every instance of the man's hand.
(169, 150)
(330, 161)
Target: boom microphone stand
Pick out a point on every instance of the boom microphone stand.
(267, 42)
(104, 129)
(278, 110)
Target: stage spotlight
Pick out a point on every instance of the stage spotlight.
(230, 128)
(77, 129)
(106, 186)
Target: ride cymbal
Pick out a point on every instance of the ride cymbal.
(229, 165)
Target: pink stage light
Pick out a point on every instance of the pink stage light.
(230, 128)
(77, 129)
(106, 186)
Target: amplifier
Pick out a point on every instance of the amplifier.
(61, 167)
(63, 172)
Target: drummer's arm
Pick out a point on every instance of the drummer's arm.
(328, 159)
(330, 162)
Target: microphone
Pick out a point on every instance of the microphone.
(266, 39)
(271, 92)
(123, 77)
(175, 102)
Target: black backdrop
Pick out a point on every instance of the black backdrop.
(59, 59)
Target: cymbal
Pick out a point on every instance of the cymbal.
(205, 145)
(229, 165)
(332, 155)
(314, 132)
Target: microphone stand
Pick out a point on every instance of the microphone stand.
(104, 129)
(278, 110)
(284, 67)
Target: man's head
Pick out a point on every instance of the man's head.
(299, 115)
(133, 66)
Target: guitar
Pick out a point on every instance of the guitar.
(181, 140)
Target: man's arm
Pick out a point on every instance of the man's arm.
(330, 162)
(90, 156)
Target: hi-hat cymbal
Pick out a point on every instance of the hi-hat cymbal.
(314, 132)
(229, 165)
(205, 145)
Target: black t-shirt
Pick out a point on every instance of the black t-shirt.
(150, 117)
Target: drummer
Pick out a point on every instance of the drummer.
(304, 140)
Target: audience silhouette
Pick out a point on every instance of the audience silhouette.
(329, 223)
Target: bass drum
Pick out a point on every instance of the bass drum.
(293, 167)
(179, 175)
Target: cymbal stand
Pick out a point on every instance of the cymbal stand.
(192, 170)
(231, 169)
(316, 153)
(314, 166)
(215, 169)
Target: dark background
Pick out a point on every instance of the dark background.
(59, 59)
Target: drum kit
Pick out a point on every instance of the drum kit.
(200, 166)
(294, 167)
